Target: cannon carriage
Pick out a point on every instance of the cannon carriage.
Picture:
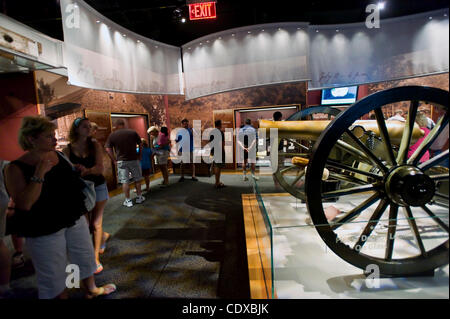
(387, 167)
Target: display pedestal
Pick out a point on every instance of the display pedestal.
(303, 267)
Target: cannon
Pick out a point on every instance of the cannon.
(386, 168)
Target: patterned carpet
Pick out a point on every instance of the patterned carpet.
(184, 241)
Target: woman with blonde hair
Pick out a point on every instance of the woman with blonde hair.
(87, 156)
(49, 212)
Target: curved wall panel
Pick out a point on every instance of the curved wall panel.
(403, 47)
(246, 57)
(99, 54)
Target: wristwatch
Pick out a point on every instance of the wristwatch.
(37, 179)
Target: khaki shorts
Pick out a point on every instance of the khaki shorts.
(161, 157)
(129, 171)
(52, 253)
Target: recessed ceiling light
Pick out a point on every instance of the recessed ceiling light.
(220, 38)
(262, 30)
(232, 35)
(124, 35)
(156, 46)
(249, 32)
(317, 30)
(138, 41)
(98, 21)
(337, 30)
(431, 18)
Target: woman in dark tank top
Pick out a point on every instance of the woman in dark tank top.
(49, 212)
(87, 156)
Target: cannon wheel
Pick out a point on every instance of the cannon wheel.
(408, 187)
(289, 176)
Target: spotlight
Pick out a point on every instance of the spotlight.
(381, 5)
(183, 20)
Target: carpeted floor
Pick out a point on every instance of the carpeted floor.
(184, 241)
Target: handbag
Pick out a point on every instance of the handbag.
(88, 189)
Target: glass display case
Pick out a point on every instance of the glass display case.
(296, 262)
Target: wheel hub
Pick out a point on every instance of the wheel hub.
(409, 186)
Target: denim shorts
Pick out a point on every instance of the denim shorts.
(101, 193)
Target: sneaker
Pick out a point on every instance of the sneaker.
(140, 199)
(245, 178)
(256, 178)
(17, 260)
(181, 179)
(195, 179)
(128, 203)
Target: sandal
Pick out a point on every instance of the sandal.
(104, 290)
(220, 185)
(103, 245)
(99, 269)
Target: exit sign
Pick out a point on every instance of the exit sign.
(205, 10)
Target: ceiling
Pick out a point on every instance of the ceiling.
(160, 19)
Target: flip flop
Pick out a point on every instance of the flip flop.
(99, 269)
(104, 290)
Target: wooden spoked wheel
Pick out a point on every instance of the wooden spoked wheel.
(290, 176)
(394, 203)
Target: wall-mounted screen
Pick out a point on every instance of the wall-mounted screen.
(339, 96)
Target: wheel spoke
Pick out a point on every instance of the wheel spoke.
(284, 170)
(415, 230)
(300, 175)
(442, 196)
(385, 135)
(375, 160)
(439, 177)
(428, 141)
(407, 133)
(352, 169)
(349, 191)
(355, 211)
(354, 151)
(347, 178)
(435, 218)
(374, 219)
(391, 231)
(434, 161)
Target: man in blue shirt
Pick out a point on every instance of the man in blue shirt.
(185, 125)
(247, 142)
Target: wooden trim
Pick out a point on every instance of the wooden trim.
(258, 250)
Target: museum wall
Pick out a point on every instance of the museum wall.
(17, 100)
(202, 108)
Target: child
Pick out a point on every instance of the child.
(146, 164)
(162, 154)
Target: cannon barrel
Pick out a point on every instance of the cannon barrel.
(312, 129)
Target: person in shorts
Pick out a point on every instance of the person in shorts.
(146, 163)
(218, 165)
(183, 142)
(123, 143)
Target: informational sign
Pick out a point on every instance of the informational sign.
(205, 10)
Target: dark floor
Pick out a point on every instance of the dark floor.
(184, 241)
